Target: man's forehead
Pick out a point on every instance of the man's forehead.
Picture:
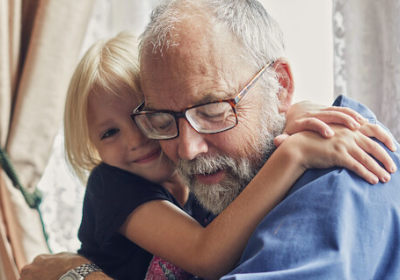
(190, 74)
(176, 93)
(176, 88)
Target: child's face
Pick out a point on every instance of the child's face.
(119, 142)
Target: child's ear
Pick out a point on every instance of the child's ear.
(285, 79)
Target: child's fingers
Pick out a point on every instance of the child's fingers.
(371, 164)
(311, 124)
(355, 165)
(348, 111)
(336, 117)
(280, 138)
(373, 130)
(374, 149)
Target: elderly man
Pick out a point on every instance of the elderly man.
(216, 93)
(193, 58)
(196, 56)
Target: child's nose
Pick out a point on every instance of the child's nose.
(135, 138)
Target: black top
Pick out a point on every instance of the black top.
(111, 195)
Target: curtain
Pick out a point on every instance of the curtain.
(39, 46)
(367, 56)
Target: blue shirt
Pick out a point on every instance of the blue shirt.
(331, 225)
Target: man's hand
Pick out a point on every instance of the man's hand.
(51, 267)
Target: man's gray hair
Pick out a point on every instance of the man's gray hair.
(259, 34)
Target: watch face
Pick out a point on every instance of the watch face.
(71, 275)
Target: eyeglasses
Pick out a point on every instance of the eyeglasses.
(209, 118)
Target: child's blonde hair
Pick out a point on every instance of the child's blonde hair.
(107, 66)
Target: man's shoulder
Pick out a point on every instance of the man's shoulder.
(344, 101)
(327, 197)
(343, 184)
(338, 186)
(331, 225)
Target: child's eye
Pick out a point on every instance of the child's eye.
(109, 133)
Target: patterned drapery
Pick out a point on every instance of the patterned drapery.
(39, 46)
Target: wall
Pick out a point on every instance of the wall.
(307, 26)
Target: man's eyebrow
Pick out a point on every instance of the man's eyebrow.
(147, 107)
(209, 97)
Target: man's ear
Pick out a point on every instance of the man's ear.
(285, 79)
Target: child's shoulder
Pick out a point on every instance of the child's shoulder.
(114, 186)
(105, 170)
(105, 174)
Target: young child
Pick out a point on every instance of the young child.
(136, 207)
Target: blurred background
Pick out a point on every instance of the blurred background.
(349, 47)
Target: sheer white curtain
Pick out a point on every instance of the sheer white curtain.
(367, 55)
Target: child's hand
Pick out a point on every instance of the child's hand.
(305, 115)
(350, 149)
(368, 129)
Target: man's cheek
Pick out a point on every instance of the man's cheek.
(232, 142)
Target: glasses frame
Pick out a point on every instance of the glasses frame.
(182, 114)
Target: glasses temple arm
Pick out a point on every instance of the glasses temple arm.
(252, 82)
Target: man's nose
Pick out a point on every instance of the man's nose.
(191, 143)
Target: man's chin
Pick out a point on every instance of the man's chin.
(221, 181)
(215, 197)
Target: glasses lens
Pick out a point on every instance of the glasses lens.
(212, 117)
(157, 125)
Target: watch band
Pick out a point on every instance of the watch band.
(80, 272)
(87, 268)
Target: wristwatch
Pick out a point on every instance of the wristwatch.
(80, 272)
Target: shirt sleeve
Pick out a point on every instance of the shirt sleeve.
(332, 225)
(111, 195)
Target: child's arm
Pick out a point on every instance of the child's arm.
(163, 229)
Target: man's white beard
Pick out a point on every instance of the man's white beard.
(238, 172)
(215, 197)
